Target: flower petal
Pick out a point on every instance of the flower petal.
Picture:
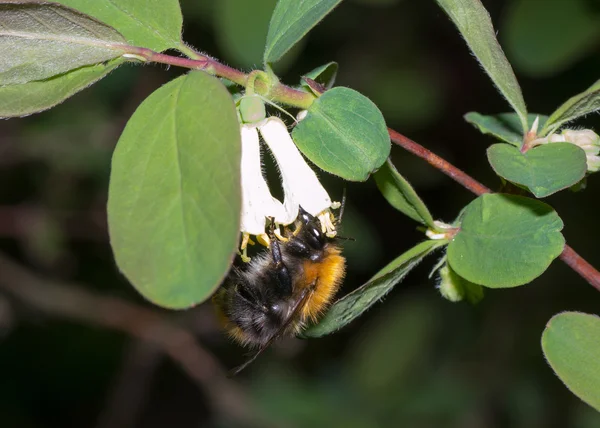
(257, 202)
(301, 186)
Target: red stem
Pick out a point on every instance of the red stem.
(278, 92)
(568, 256)
(299, 98)
(439, 163)
(581, 266)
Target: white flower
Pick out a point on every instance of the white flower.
(587, 139)
(257, 202)
(301, 186)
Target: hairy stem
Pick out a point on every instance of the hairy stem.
(568, 256)
(278, 92)
(293, 97)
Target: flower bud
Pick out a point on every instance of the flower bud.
(252, 109)
(455, 288)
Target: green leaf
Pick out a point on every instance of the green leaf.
(33, 97)
(345, 134)
(291, 20)
(543, 40)
(153, 24)
(324, 75)
(505, 240)
(580, 105)
(571, 346)
(41, 40)
(174, 197)
(401, 195)
(475, 25)
(544, 170)
(351, 306)
(504, 126)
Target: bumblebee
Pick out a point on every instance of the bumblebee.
(282, 289)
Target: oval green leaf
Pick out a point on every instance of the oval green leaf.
(33, 97)
(174, 195)
(345, 134)
(580, 105)
(571, 346)
(401, 195)
(505, 240)
(41, 40)
(544, 170)
(504, 126)
(351, 306)
(475, 25)
(153, 24)
(291, 20)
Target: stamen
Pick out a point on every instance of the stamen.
(264, 240)
(243, 247)
(280, 236)
(327, 226)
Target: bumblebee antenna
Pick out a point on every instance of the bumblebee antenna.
(297, 307)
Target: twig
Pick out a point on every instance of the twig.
(73, 302)
(568, 256)
(437, 162)
(581, 266)
(278, 92)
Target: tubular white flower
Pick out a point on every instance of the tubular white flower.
(587, 139)
(301, 186)
(257, 202)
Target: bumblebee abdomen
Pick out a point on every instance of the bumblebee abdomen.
(326, 275)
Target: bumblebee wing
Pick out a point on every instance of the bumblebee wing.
(293, 313)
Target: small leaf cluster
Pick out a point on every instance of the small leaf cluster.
(175, 187)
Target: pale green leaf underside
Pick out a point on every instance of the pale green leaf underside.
(33, 97)
(544, 170)
(41, 40)
(291, 20)
(153, 24)
(354, 304)
(571, 346)
(475, 25)
(174, 195)
(505, 240)
(401, 195)
(345, 134)
(504, 126)
(580, 105)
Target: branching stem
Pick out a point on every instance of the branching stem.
(278, 92)
(296, 98)
(568, 256)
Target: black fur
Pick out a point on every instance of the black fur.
(257, 298)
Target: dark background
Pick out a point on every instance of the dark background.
(414, 360)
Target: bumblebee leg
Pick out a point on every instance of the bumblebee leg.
(280, 272)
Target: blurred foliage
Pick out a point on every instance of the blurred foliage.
(415, 359)
(543, 40)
